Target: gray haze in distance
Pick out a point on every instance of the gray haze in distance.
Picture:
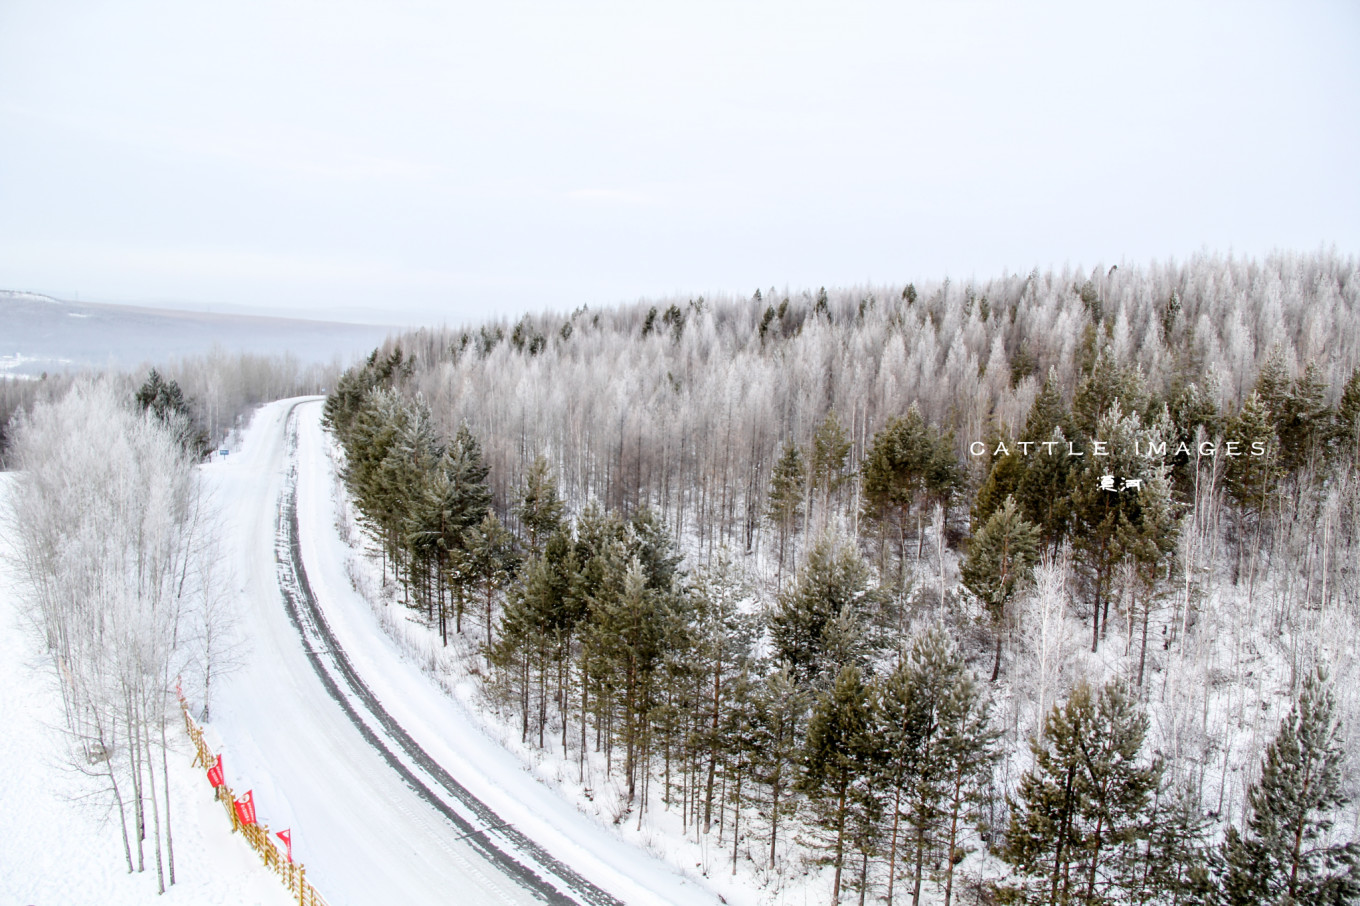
(428, 161)
(39, 334)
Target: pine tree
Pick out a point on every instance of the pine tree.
(830, 460)
(784, 506)
(1004, 475)
(1190, 410)
(540, 509)
(631, 626)
(838, 758)
(1084, 804)
(969, 751)
(540, 619)
(491, 561)
(908, 464)
(722, 637)
(1115, 520)
(401, 478)
(1305, 425)
(1251, 480)
(166, 402)
(1287, 854)
(1348, 417)
(1107, 384)
(1043, 490)
(818, 625)
(781, 706)
(373, 434)
(1272, 384)
(1169, 865)
(1000, 557)
(936, 752)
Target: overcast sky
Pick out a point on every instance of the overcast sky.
(436, 161)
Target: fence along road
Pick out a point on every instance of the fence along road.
(368, 820)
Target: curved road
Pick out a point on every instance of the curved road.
(364, 773)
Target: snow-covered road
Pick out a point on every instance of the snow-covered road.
(392, 791)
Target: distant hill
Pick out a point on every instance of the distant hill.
(39, 333)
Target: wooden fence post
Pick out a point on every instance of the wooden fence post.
(294, 875)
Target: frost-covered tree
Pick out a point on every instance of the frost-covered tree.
(113, 569)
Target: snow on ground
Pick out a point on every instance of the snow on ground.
(430, 689)
(365, 836)
(447, 729)
(57, 842)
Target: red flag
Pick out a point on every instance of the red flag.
(286, 835)
(215, 773)
(245, 808)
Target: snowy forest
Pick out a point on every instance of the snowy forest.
(220, 389)
(1039, 589)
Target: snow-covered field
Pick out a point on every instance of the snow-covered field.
(57, 845)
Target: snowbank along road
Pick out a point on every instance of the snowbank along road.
(393, 793)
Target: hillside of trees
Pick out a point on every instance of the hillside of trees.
(1042, 589)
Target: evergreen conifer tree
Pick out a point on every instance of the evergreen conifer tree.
(1120, 509)
(540, 509)
(491, 561)
(1004, 474)
(830, 460)
(1348, 418)
(936, 750)
(907, 464)
(838, 759)
(1085, 802)
(1106, 385)
(1287, 854)
(167, 403)
(1043, 489)
(781, 706)
(788, 487)
(1000, 557)
(822, 617)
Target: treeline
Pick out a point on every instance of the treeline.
(220, 389)
(771, 610)
(687, 410)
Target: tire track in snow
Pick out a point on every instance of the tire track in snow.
(318, 640)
